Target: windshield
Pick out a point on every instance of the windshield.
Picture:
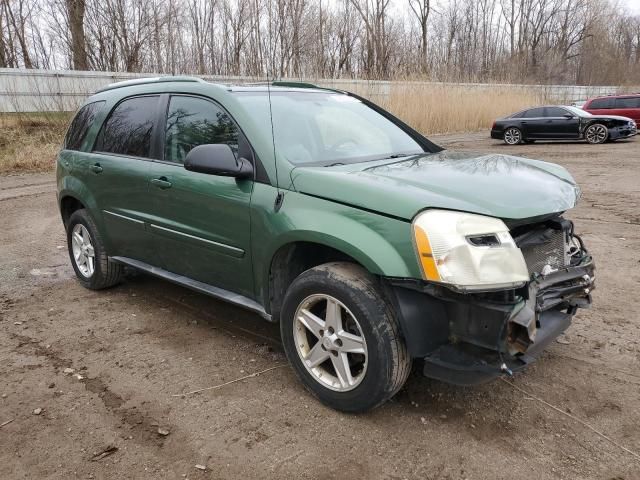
(318, 128)
(578, 111)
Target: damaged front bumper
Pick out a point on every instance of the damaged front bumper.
(624, 131)
(467, 339)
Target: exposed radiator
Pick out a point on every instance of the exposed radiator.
(552, 253)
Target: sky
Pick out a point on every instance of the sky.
(632, 5)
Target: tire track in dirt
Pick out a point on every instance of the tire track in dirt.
(27, 190)
(142, 423)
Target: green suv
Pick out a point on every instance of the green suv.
(370, 245)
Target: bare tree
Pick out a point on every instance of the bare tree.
(75, 13)
(421, 9)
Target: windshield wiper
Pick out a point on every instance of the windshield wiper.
(334, 164)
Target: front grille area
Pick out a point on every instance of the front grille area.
(552, 252)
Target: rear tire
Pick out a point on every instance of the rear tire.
(596, 133)
(366, 346)
(513, 136)
(88, 257)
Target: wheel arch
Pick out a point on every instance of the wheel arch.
(69, 204)
(74, 194)
(295, 257)
(73, 190)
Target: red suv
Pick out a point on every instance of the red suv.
(623, 105)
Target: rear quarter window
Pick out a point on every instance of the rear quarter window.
(81, 124)
(128, 129)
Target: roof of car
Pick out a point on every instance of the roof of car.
(616, 95)
(274, 86)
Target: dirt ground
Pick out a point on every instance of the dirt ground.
(133, 347)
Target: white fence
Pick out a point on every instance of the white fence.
(23, 90)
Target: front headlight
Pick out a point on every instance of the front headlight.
(467, 251)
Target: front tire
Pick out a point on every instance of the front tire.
(88, 257)
(596, 134)
(342, 337)
(513, 136)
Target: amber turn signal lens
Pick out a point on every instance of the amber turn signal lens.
(427, 261)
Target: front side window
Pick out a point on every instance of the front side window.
(194, 121)
(555, 112)
(601, 103)
(322, 128)
(81, 124)
(128, 129)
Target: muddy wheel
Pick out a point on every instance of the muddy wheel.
(512, 136)
(596, 133)
(88, 257)
(342, 337)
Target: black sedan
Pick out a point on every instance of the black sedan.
(561, 123)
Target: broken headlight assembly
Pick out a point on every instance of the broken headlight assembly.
(467, 252)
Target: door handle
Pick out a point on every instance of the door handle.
(161, 182)
(97, 168)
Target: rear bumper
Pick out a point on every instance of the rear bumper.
(465, 339)
(497, 134)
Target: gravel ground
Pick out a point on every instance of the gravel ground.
(133, 347)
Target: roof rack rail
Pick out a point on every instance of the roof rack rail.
(147, 80)
(292, 84)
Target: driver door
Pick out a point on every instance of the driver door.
(561, 123)
(201, 222)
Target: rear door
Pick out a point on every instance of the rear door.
(560, 123)
(534, 123)
(201, 223)
(116, 171)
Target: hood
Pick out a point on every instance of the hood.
(500, 186)
(611, 117)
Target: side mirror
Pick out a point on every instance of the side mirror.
(217, 159)
(568, 116)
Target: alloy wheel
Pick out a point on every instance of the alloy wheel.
(83, 251)
(596, 134)
(330, 342)
(512, 136)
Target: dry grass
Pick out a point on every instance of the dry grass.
(29, 142)
(447, 109)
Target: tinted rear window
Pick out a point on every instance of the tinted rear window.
(80, 125)
(628, 102)
(128, 129)
(601, 103)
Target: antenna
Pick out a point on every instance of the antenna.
(280, 195)
(273, 136)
